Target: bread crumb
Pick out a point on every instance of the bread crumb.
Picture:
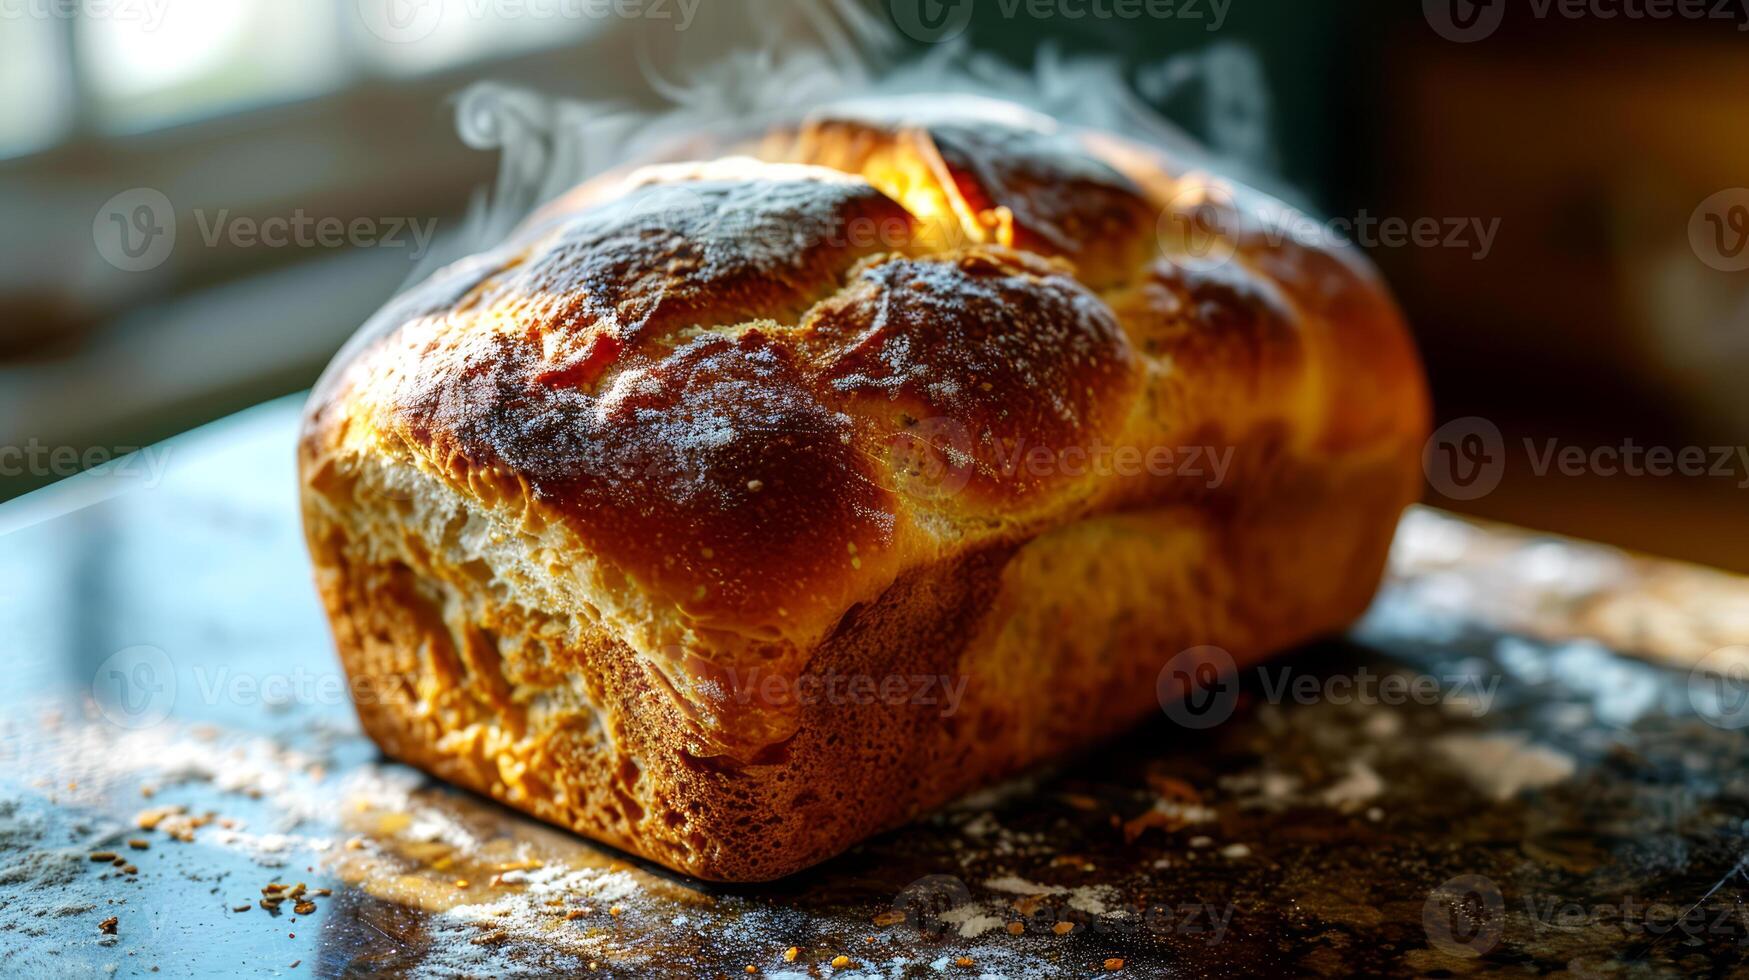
(1015, 928)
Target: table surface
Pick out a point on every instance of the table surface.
(1527, 757)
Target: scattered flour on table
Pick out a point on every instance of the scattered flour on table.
(1500, 766)
(1361, 784)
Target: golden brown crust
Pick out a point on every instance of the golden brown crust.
(1008, 348)
(889, 403)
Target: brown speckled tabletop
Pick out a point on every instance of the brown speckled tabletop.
(1528, 758)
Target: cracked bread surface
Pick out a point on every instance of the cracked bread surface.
(658, 520)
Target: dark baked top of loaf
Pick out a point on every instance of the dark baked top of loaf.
(761, 388)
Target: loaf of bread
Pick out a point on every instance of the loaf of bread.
(733, 511)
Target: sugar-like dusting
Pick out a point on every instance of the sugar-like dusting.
(1501, 766)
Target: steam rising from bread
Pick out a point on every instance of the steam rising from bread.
(832, 52)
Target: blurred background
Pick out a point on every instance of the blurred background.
(201, 199)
